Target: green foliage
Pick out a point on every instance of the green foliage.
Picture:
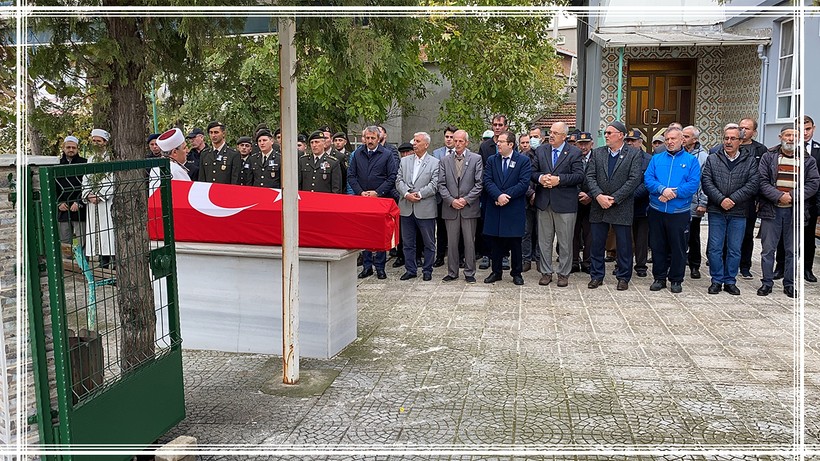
(496, 64)
(8, 76)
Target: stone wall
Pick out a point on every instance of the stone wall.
(17, 374)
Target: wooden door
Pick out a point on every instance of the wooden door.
(660, 92)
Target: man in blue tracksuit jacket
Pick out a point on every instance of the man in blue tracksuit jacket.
(672, 178)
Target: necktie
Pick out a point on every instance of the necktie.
(449, 151)
(554, 156)
(504, 166)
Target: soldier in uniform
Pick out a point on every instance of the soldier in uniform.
(318, 171)
(266, 165)
(245, 145)
(301, 144)
(219, 163)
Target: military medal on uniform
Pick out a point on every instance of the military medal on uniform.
(325, 167)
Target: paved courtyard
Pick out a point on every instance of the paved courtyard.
(479, 369)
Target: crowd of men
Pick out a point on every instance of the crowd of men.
(519, 199)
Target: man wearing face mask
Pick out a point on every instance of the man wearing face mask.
(780, 173)
(672, 178)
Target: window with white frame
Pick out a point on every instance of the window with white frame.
(785, 71)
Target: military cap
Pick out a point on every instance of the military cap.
(658, 138)
(405, 147)
(634, 133)
(316, 135)
(261, 133)
(301, 138)
(195, 132)
(584, 137)
(244, 140)
(573, 137)
(152, 137)
(215, 124)
(340, 135)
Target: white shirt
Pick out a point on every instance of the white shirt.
(417, 165)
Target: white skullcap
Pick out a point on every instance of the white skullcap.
(71, 139)
(488, 134)
(101, 133)
(170, 140)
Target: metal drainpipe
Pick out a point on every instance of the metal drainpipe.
(618, 110)
(764, 73)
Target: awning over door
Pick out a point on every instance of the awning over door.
(616, 37)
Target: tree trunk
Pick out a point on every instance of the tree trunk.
(128, 116)
(33, 135)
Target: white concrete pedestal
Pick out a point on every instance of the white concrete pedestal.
(230, 298)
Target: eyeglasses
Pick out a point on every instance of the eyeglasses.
(610, 132)
(731, 138)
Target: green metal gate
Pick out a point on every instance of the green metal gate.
(112, 295)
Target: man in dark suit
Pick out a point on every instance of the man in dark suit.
(613, 173)
(460, 180)
(506, 177)
(488, 148)
(582, 239)
(813, 149)
(372, 173)
(219, 163)
(70, 208)
(558, 171)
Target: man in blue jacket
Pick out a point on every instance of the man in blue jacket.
(672, 178)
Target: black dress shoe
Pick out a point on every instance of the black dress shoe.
(380, 274)
(398, 262)
(657, 285)
(675, 287)
(493, 277)
(640, 272)
(809, 276)
(609, 259)
(448, 278)
(595, 283)
(469, 279)
(732, 289)
(764, 290)
(526, 266)
(622, 285)
(407, 276)
(585, 268)
(518, 280)
(694, 273)
(438, 262)
(575, 268)
(746, 273)
(789, 292)
(778, 273)
(427, 277)
(365, 273)
(715, 288)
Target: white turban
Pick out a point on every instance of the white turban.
(101, 133)
(170, 140)
(71, 139)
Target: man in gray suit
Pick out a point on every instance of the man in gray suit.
(417, 183)
(460, 180)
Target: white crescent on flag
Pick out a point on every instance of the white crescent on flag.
(200, 200)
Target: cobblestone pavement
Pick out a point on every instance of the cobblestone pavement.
(456, 366)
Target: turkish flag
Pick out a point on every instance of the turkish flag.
(223, 213)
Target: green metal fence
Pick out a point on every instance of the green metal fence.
(114, 313)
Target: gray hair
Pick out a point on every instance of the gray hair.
(670, 130)
(424, 135)
(694, 130)
(730, 125)
(466, 135)
(372, 129)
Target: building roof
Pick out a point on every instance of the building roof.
(610, 37)
(564, 113)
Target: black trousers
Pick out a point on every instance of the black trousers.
(694, 257)
(668, 238)
(748, 245)
(500, 247)
(441, 235)
(640, 241)
(582, 237)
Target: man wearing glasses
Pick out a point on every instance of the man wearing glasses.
(730, 181)
(487, 149)
(613, 173)
(506, 179)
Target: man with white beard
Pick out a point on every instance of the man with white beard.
(780, 172)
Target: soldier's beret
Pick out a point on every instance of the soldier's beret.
(244, 140)
(316, 135)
